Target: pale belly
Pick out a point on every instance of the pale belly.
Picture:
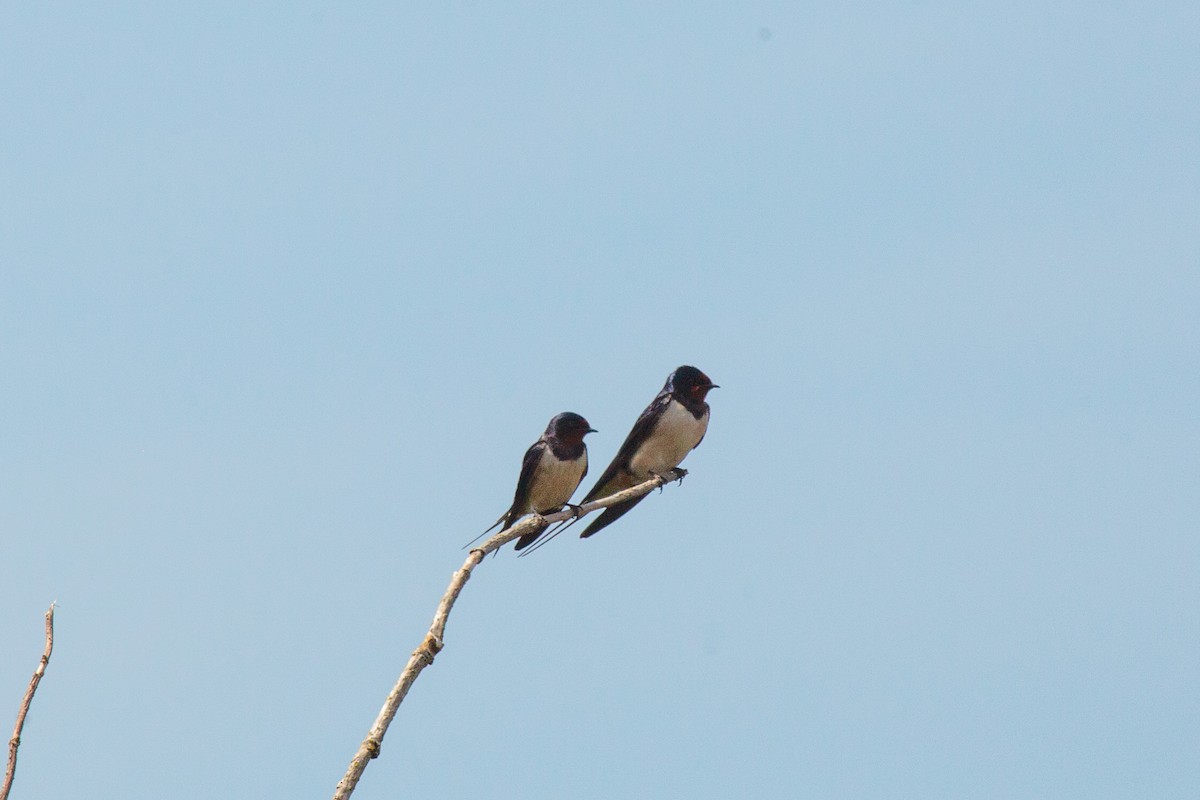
(554, 483)
(675, 435)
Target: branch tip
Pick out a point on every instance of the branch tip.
(14, 743)
(433, 642)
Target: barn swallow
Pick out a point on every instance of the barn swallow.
(671, 427)
(551, 471)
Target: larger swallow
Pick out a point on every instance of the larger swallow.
(551, 471)
(671, 427)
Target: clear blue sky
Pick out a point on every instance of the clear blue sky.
(287, 289)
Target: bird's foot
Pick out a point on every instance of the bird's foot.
(670, 476)
(576, 511)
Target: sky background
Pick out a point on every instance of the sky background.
(287, 290)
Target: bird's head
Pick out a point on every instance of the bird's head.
(690, 383)
(569, 427)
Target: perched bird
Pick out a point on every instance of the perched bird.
(551, 471)
(671, 427)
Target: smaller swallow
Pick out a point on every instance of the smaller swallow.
(551, 471)
(672, 426)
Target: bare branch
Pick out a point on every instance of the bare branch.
(15, 741)
(422, 657)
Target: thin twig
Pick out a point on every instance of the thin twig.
(422, 657)
(15, 741)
